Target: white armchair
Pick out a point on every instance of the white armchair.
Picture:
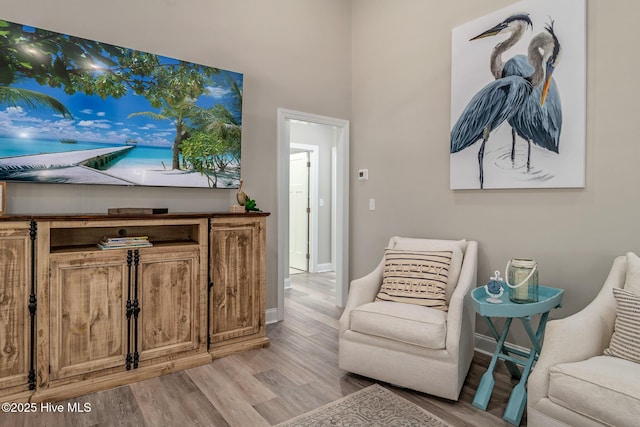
(416, 347)
(573, 383)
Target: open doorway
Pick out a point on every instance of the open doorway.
(312, 184)
(328, 249)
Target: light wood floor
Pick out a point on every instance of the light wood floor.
(296, 374)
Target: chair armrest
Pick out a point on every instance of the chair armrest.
(461, 314)
(361, 291)
(580, 336)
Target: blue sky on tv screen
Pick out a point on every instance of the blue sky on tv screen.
(105, 120)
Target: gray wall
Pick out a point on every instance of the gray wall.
(400, 132)
(293, 53)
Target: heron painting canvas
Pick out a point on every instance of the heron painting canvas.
(74, 110)
(518, 98)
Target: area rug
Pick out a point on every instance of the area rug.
(371, 406)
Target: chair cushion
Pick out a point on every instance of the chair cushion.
(632, 282)
(408, 323)
(625, 341)
(415, 277)
(457, 248)
(603, 388)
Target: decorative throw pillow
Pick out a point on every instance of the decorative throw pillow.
(415, 277)
(632, 282)
(457, 247)
(625, 341)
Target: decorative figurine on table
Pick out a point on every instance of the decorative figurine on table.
(246, 201)
(494, 288)
(241, 196)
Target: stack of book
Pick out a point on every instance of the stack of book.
(124, 242)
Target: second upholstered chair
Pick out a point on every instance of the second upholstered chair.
(587, 373)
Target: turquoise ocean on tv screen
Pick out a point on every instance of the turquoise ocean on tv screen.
(141, 155)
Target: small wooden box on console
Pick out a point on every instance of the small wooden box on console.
(75, 318)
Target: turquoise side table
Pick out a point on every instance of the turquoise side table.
(548, 299)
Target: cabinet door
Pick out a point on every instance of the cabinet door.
(168, 292)
(15, 279)
(87, 312)
(237, 274)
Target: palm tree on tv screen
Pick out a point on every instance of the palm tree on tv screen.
(174, 89)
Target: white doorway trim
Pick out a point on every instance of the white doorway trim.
(341, 201)
(314, 199)
(334, 212)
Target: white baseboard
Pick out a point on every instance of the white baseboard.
(487, 345)
(287, 283)
(323, 268)
(271, 315)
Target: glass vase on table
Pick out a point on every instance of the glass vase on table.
(522, 280)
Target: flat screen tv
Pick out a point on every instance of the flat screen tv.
(73, 110)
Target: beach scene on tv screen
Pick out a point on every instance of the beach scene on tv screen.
(73, 110)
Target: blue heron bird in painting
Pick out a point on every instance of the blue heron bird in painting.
(504, 98)
(534, 122)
